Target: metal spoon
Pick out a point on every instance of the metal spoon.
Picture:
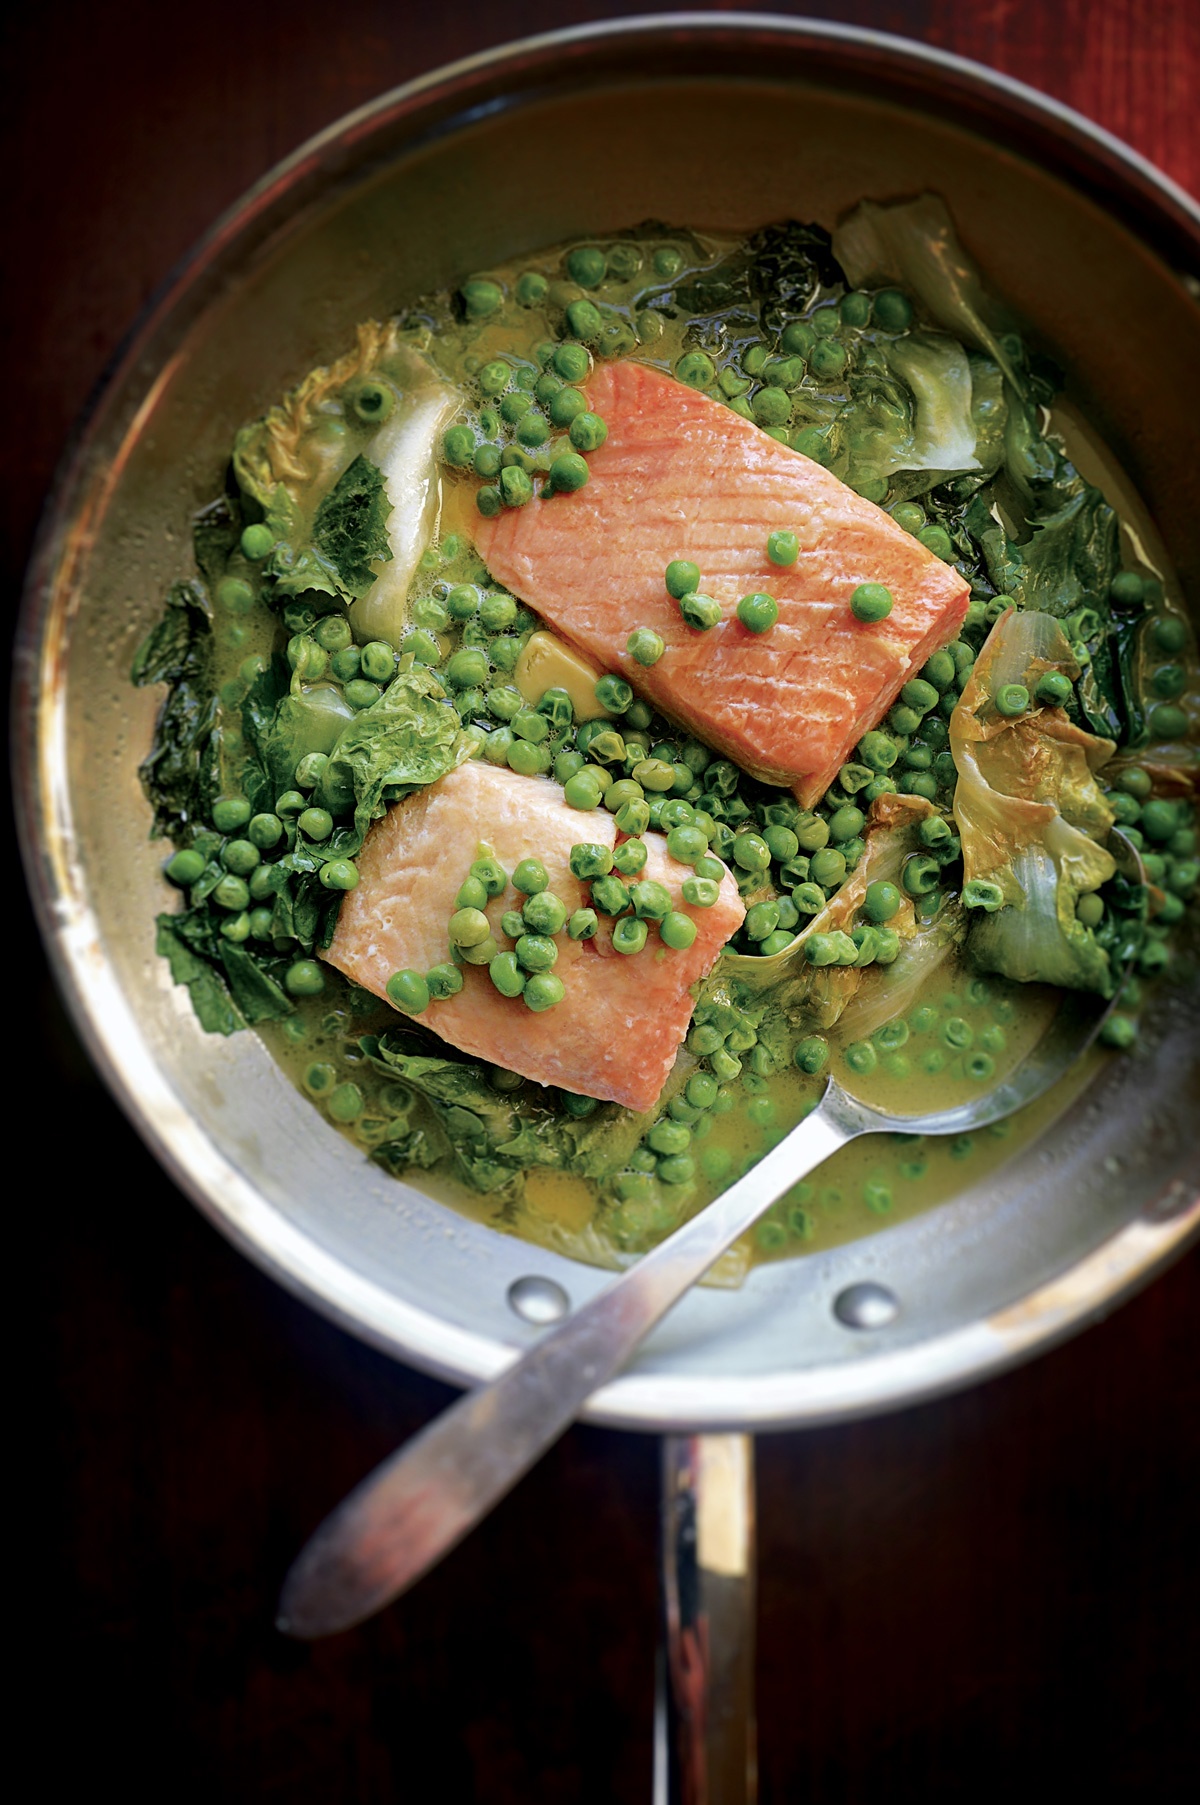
(420, 1502)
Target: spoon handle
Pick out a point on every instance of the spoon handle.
(421, 1501)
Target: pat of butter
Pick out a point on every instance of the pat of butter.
(546, 663)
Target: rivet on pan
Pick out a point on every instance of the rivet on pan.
(866, 1306)
(538, 1300)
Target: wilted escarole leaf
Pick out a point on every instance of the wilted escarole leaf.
(1031, 815)
(915, 244)
(267, 454)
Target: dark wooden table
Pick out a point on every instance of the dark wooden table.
(960, 1601)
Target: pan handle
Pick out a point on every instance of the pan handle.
(705, 1732)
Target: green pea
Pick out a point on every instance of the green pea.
(861, 1057)
(751, 852)
(532, 430)
(677, 1169)
(781, 842)
(1119, 1031)
(304, 978)
(939, 671)
(909, 515)
(771, 407)
(1158, 819)
(582, 789)
(1053, 690)
(589, 858)
(798, 338)
(645, 645)
(444, 980)
(1169, 681)
(481, 297)
(629, 935)
(677, 930)
(758, 612)
(471, 895)
(507, 975)
(229, 813)
(339, 874)
(921, 875)
(827, 868)
(681, 577)
(651, 900)
(919, 695)
(871, 602)
(531, 288)
(583, 924)
(626, 789)
(315, 823)
(458, 443)
(700, 892)
(1183, 876)
(937, 540)
(610, 895)
(584, 321)
(360, 693)
(855, 309)
(809, 898)
(536, 952)
(1012, 699)
(234, 596)
(515, 487)
(762, 919)
(543, 991)
(687, 844)
(526, 758)
(877, 751)
(696, 369)
(783, 547)
(892, 310)
(185, 867)
(880, 901)
(1166, 722)
(587, 432)
(530, 877)
(346, 663)
(544, 913)
(1168, 633)
(586, 265)
(827, 360)
(632, 816)
(846, 822)
(700, 611)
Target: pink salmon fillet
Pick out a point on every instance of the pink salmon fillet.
(618, 1028)
(681, 476)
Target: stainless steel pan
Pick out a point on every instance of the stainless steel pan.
(724, 121)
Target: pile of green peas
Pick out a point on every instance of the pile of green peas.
(774, 381)
(229, 868)
(511, 440)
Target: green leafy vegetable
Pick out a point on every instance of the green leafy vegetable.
(214, 1007)
(407, 739)
(216, 530)
(349, 535)
(1031, 815)
(181, 773)
(915, 244)
(350, 526)
(492, 1138)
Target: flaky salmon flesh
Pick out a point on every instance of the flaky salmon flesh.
(681, 476)
(619, 1026)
